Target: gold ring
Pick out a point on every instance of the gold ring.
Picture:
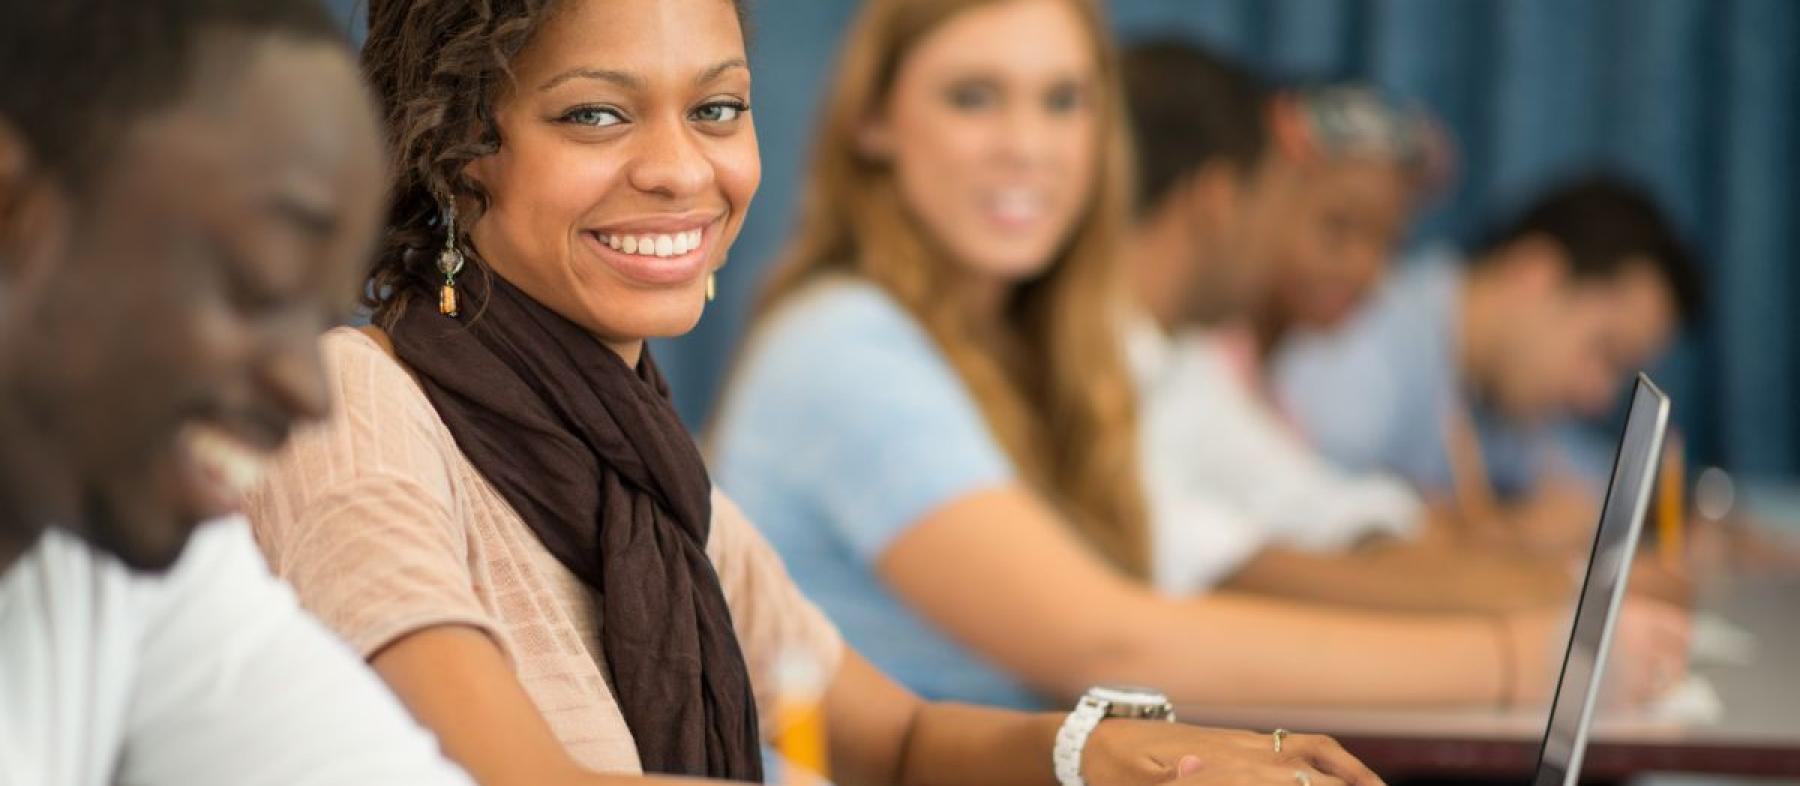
(1302, 778)
(1279, 735)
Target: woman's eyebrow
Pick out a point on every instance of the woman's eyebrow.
(720, 68)
(621, 78)
(632, 81)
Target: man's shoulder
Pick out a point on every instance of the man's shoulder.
(64, 573)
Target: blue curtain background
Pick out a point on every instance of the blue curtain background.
(1700, 99)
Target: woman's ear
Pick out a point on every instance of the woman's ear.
(875, 139)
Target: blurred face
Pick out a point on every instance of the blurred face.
(1573, 347)
(1229, 218)
(1346, 220)
(158, 333)
(628, 163)
(992, 130)
(1264, 202)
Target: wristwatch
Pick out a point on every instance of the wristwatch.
(1102, 702)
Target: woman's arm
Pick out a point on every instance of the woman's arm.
(455, 680)
(883, 735)
(457, 683)
(997, 570)
(1408, 577)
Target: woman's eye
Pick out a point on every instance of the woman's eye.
(1064, 99)
(971, 96)
(720, 111)
(596, 116)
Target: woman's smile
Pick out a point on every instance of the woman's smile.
(663, 251)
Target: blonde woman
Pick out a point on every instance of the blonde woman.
(934, 423)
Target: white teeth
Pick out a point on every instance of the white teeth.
(1017, 205)
(236, 465)
(655, 245)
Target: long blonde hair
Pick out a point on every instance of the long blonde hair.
(1062, 406)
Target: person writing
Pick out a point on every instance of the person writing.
(934, 422)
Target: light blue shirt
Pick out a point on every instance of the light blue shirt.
(1376, 394)
(843, 427)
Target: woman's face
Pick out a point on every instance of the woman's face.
(627, 161)
(991, 127)
(1347, 219)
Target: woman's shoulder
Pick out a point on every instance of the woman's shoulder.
(843, 369)
(367, 376)
(368, 345)
(840, 331)
(381, 420)
(840, 308)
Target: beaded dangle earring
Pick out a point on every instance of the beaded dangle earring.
(450, 262)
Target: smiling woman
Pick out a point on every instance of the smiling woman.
(505, 514)
(589, 200)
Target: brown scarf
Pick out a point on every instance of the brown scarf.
(592, 456)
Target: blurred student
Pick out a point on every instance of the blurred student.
(505, 514)
(1459, 373)
(1363, 164)
(935, 422)
(1237, 498)
(186, 190)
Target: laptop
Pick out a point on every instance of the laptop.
(1609, 567)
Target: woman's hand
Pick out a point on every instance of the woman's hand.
(1650, 651)
(1652, 579)
(1649, 655)
(1190, 771)
(1144, 753)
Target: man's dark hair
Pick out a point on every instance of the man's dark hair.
(75, 75)
(1605, 224)
(1189, 108)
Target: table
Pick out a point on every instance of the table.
(1759, 734)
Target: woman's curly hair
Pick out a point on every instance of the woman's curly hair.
(436, 67)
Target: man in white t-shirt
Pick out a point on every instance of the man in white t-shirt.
(186, 190)
(1238, 499)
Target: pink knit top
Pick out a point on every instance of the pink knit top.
(385, 528)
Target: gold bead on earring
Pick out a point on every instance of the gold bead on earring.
(449, 263)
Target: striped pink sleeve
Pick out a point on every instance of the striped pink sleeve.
(360, 515)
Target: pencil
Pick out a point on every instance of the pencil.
(1671, 509)
(800, 720)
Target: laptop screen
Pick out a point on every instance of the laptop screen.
(1621, 519)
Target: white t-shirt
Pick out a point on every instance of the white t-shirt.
(208, 675)
(1227, 478)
